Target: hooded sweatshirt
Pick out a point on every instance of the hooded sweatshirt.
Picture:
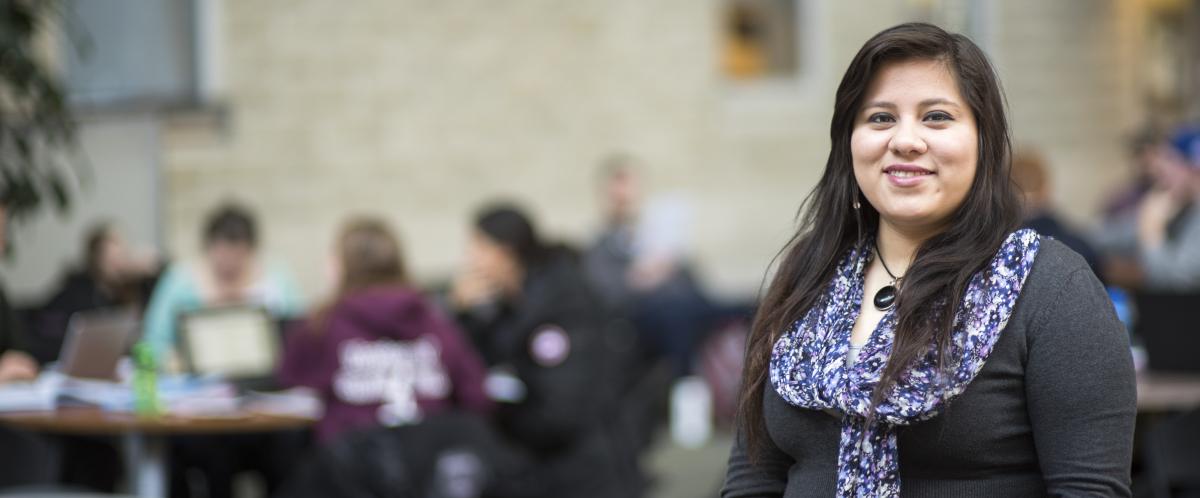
(385, 357)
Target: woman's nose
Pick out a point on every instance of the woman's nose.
(907, 141)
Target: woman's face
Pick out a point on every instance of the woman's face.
(231, 262)
(490, 259)
(112, 261)
(915, 145)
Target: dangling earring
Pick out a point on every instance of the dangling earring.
(856, 205)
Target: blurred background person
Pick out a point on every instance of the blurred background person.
(1033, 179)
(16, 364)
(1155, 246)
(25, 458)
(231, 273)
(638, 262)
(1168, 221)
(113, 275)
(379, 353)
(530, 310)
(1122, 203)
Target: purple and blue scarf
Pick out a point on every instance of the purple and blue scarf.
(809, 362)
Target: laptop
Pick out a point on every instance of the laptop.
(95, 343)
(240, 344)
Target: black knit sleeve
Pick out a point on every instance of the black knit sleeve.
(1081, 391)
(765, 476)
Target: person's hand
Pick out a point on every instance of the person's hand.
(1155, 212)
(16, 366)
(470, 289)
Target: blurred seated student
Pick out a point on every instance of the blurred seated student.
(16, 365)
(113, 275)
(379, 353)
(230, 273)
(1166, 242)
(24, 458)
(639, 265)
(1121, 205)
(531, 312)
(1030, 174)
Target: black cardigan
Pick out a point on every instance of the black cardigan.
(1050, 414)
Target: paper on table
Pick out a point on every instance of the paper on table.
(27, 396)
(296, 402)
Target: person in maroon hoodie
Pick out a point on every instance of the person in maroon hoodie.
(379, 353)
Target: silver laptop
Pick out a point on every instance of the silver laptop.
(95, 342)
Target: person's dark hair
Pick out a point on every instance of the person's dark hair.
(829, 226)
(97, 236)
(508, 226)
(231, 224)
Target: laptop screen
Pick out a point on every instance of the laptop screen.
(95, 342)
(234, 343)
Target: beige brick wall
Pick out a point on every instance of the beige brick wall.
(421, 110)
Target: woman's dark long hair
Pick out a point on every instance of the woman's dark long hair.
(507, 225)
(830, 226)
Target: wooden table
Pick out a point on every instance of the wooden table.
(145, 439)
(1164, 392)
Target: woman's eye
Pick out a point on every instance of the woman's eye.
(880, 117)
(938, 116)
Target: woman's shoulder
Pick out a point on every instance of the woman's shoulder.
(1054, 265)
(1060, 285)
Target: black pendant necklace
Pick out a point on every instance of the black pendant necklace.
(886, 297)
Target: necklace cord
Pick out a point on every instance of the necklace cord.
(884, 263)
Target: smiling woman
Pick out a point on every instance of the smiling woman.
(990, 362)
(914, 145)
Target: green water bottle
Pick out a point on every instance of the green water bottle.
(145, 382)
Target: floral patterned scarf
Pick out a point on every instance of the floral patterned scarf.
(809, 362)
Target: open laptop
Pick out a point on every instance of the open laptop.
(95, 342)
(240, 344)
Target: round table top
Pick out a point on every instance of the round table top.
(91, 421)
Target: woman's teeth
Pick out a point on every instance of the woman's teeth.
(907, 174)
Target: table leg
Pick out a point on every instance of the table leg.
(146, 465)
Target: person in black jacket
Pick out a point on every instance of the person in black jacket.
(112, 275)
(15, 362)
(533, 317)
(25, 459)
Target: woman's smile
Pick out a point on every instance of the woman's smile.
(906, 175)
